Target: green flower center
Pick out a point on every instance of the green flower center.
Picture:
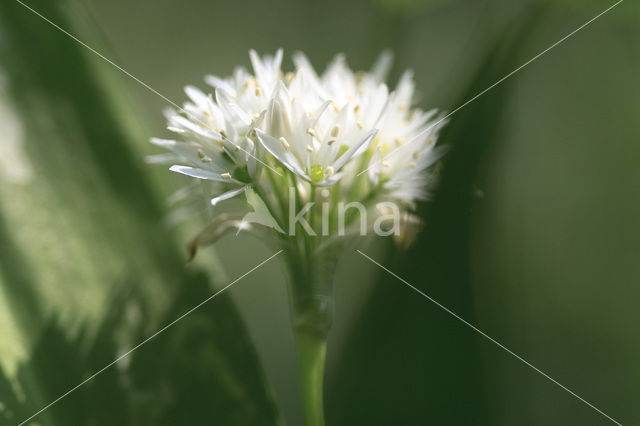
(316, 173)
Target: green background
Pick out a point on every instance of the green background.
(533, 236)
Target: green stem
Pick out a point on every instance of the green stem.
(311, 355)
(311, 294)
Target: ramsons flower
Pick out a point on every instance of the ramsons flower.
(270, 130)
(319, 158)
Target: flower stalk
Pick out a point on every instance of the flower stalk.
(311, 356)
(311, 278)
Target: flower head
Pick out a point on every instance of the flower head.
(264, 132)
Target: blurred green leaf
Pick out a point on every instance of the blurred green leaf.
(409, 360)
(79, 223)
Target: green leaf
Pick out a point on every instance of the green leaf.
(81, 226)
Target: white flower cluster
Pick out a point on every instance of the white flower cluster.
(341, 130)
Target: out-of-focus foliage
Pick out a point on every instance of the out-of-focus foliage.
(87, 268)
(437, 393)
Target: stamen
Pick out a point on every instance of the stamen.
(335, 130)
(206, 159)
(284, 142)
(201, 154)
(416, 154)
(385, 164)
(402, 107)
(311, 132)
(288, 77)
(399, 140)
(335, 106)
(357, 109)
(331, 141)
(223, 133)
(360, 125)
(329, 171)
(258, 91)
(309, 148)
(412, 164)
(226, 175)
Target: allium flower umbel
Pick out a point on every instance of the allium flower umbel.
(289, 139)
(318, 159)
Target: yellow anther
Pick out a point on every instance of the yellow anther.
(226, 175)
(335, 130)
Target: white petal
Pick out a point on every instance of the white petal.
(234, 115)
(216, 82)
(283, 155)
(189, 151)
(201, 174)
(354, 150)
(226, 195)
(382, 66)
(375, 165)
(197, 96)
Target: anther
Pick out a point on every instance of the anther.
(335, 130)
(226, 175)
(284, 142)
